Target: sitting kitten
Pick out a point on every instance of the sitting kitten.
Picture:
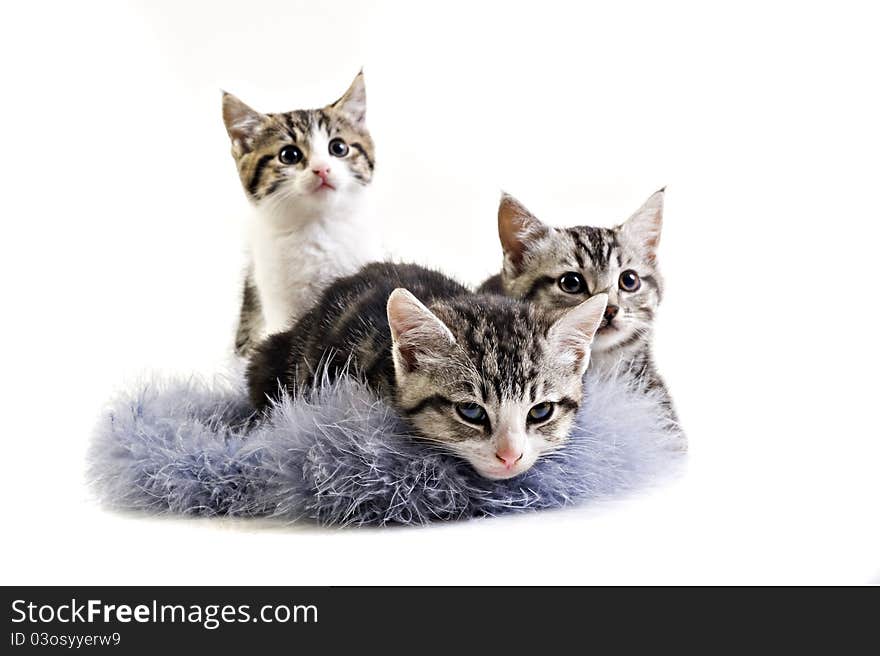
(494, 380)
(306, 173)
(560, 267)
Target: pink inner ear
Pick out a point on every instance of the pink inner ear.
(409, 355)
(416, 330)
(412, 341)
(403, 324)
(517, 229)
(354, 101)
(512, 244)
(405, 318)
(240, 119)
(643, 228)
(577, 348)
(514, 225)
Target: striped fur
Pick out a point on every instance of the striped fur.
(258, 138)
(537, 256)
(504, 355)
(310, 225)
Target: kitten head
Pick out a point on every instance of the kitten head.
(313, 158)
(495, 381)
(560, 267)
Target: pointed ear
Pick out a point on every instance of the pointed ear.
(642, 229)
(241, 122)
(573, 332)
(518, 229)
(354, 101)
(416, 332)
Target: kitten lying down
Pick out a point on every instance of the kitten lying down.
(494, 380)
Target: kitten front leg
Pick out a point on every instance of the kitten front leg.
(251, 324)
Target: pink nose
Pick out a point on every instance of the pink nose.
(322, 172)
(509, 456)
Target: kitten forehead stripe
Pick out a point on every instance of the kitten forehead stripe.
(581, 247)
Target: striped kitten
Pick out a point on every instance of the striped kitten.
(306, 172)
(496, 381)
(558, 268)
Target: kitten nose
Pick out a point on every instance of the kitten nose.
(509, 455)
(322, 172)
(610, 313)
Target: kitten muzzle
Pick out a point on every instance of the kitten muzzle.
(608, 318)
(509, 455)
(324, 175)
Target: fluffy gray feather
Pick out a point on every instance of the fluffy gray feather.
(341, 457)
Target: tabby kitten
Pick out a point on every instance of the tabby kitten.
(494, 380)
(558, 268)
(306, 173)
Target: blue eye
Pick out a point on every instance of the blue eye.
(541, 412)
(471, 412)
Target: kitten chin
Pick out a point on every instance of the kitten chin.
(492, 380)
(340, 211)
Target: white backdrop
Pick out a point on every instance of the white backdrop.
(123, 222)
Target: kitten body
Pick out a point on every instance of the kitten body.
(295, 254)
(494, 380)
(557, 268)
(306, 174)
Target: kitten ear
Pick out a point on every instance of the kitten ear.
(642, 229)
(518, 229)
(416, 332)
(573, 332)
(354, 101)
(241, 122)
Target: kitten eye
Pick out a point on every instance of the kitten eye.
(338, 148)
(572, 282)
(629, 281)
(541, 412)
(471, 412)
(290, 155)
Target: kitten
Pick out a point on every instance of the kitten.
(557, 268)
(494, 380)
(306, 172)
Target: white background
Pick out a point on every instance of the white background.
(122, 235)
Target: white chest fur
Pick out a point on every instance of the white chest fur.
(294, 260)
